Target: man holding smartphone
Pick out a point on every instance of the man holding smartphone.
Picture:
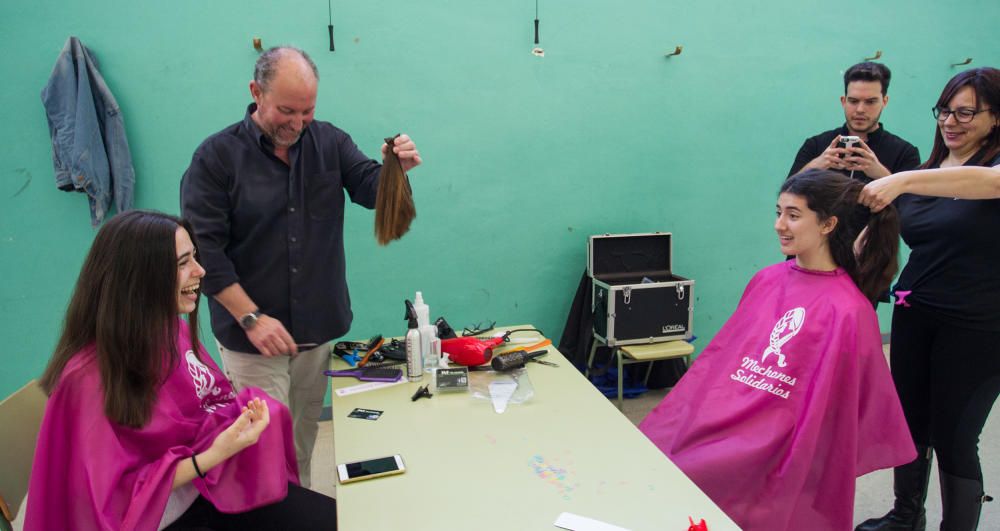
(877, 152)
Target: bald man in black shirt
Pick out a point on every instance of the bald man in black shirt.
(266, 198)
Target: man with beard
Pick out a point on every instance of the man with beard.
(266, 199)
(879, 153)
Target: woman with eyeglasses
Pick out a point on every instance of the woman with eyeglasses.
(945, 346)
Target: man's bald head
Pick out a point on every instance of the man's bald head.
(285, 59)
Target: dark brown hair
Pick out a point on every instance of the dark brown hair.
(125, 306)
(985, 81)
(868, 71)
(394, 210)
(829, 193)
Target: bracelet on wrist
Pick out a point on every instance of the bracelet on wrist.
(197, 470)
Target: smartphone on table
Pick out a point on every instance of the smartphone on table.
(370, 468)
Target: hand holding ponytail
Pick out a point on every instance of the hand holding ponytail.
(870, 253)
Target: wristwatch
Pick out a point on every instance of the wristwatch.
(249, 320)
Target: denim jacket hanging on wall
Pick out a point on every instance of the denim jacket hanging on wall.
(89, 149)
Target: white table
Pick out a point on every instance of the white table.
(469, 468)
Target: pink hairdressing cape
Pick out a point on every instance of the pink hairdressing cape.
(90, 473)
(790, 402)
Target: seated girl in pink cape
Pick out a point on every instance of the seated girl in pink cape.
(141, 430)
(792, 399)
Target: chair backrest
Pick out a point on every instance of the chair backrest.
(20, 418)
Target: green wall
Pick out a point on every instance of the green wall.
(524, 156)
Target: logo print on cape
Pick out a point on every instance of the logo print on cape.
(204, 381)
(784, 329)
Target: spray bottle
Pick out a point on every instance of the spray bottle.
(414, 363)
(428, 334)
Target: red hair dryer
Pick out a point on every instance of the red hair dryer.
(470, 351)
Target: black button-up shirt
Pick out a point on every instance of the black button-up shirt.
(277, 229)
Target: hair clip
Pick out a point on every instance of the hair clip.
(422, 392)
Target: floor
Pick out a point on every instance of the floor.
(873, 496)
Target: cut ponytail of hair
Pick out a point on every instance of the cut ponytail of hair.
(394, 209)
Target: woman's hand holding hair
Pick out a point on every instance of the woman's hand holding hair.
(880, 193)
(959, 182)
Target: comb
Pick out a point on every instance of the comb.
(375, 374)
(536, 346)
(372, 347)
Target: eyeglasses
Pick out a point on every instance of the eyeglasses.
(479, 328)
(962, 116)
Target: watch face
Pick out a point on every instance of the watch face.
(248, 320)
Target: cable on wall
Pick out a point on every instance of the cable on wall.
(329, 5)
(537, 50)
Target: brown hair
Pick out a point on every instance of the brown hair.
(829, 193)
(125, 306)
(985, 81)
(394, 208)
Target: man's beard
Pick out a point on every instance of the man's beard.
(283, 137)
(873, 125)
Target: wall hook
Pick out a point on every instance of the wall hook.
(257, 45)
(965, 62)
(878, 55)
(677, 51)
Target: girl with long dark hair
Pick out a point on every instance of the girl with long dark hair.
(946, 323)
(792, 400)
(141, 429)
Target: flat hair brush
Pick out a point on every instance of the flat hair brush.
(370, 374)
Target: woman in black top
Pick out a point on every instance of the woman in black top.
(945, 353)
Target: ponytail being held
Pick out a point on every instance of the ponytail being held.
(878, 253)
(866, 245)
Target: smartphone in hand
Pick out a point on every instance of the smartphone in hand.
(848, 141)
